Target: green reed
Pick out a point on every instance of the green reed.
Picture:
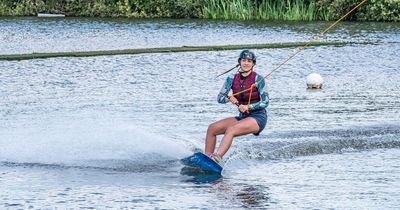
(228, 9)
(263, 10)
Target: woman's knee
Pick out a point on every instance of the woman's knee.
(212, 128)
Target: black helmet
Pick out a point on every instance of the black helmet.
(247, 54)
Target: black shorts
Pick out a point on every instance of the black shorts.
(260, 116)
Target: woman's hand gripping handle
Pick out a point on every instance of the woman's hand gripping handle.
(242, 108)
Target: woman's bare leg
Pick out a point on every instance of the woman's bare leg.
(242, 127)
(215, 129)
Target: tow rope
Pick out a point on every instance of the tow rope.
(313, 38)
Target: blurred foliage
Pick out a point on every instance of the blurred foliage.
(104, 8)
(373, 10)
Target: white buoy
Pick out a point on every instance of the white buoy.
(314, 80)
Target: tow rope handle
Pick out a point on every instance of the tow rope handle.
(248, 103)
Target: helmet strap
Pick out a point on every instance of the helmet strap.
(245, 74)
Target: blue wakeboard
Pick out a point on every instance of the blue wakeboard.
(201, 161)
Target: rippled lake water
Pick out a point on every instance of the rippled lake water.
(108, 131)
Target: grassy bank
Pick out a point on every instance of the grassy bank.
(374, 10)
(169, 50)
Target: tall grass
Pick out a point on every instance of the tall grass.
(231, 9)
(264, 10)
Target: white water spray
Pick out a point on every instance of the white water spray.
(78, 143)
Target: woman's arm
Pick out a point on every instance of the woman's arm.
(264, 97)
(223, 93)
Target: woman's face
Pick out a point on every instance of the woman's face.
(246, 64)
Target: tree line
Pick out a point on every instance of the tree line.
(373, 10)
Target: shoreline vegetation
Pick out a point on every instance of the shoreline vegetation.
(305, 10)
(12, 57)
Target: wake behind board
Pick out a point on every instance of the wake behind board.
(201, 161)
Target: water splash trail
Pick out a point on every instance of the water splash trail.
(89, 143)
